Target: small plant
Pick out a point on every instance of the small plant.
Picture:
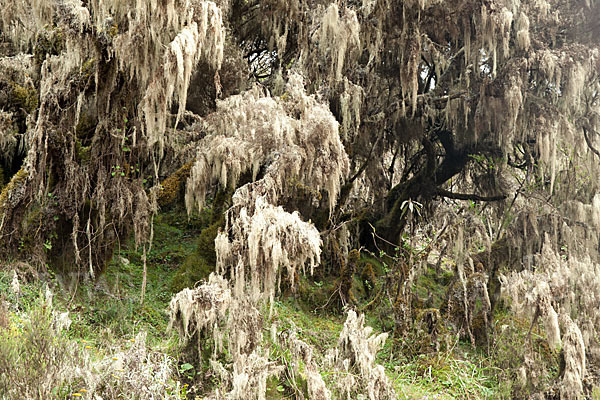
(596, 393)
(412, 206)
(187, 370)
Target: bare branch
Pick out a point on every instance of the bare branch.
(470, 196)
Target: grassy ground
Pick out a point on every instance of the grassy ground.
(107, 313)
(458, 372)
(110, 307)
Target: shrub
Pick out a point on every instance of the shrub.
(38, 360)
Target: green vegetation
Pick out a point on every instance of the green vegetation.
(26, 97)
(434, 162)
(17, 181)
(107, 314)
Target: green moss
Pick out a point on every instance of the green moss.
(171, 187)
(194, 270)
(201, 263)
(83, 152)
(16, 181)
(87, 69)
(206, 243)
(48, 42)
(221, 203)
(113, 31)
(433, 285)
(84, 131)
(86, 127)
(353, 256)
(6, 202)
(368, 278)
(25, 97)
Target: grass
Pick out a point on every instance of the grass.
(447, 376)
(320, 330)
(107, 314)
(110, 307)
(460, 372)
(107, 317)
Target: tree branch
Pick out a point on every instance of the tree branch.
(589, 142)
(365, 164)
(465, 196)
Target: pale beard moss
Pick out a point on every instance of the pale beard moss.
(574, 353)
(201, 38)
(252, 129)
(547, 294)
(355, 355)
(233, 325)
(338, 36)
(154, 47)
(8, 136)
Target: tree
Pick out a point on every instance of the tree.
(351, 112)
(98, 89)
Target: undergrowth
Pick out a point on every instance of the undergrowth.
(110, 335)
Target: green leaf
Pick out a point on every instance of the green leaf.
(186, 367)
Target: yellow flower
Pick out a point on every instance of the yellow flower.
(83, 390)
(88, 347)
(76, 394)
(115, 358)
(132, 340)
(84, 341)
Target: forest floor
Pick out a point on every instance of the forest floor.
(107, 314)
